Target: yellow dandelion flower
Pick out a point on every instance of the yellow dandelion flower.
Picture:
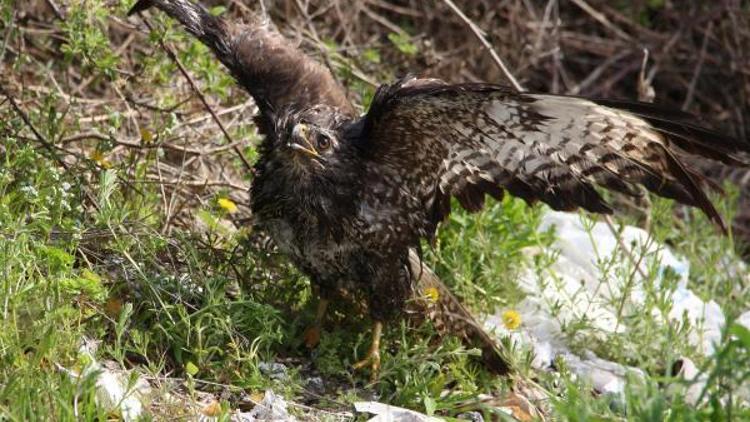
(511, 319)
(228, 205)
(100, 159)
(432, 294)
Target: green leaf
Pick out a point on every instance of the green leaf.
(430, 405)
(217, 10)
(403, 42)
(191, 369)
(88, 284)
(57, 259)
(371, 55)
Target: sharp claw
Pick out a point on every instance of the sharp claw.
(373, 360)
(373, 355)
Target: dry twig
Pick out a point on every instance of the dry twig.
(480, 36)
(170, 52)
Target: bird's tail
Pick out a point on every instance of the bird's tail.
(211, 30)
(435, 302)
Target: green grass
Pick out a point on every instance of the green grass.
(205, 304)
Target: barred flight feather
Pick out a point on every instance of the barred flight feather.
(473, 139)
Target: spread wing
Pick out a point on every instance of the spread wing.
(275, 72)
(469, 140)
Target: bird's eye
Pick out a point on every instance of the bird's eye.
(323, 142)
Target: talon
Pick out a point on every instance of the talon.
(373, 355)
(373, 359)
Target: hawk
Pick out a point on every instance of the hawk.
(347, 197)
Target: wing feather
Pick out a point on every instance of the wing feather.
(470, 140)
(274, 71)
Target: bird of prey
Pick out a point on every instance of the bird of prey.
(347, 197)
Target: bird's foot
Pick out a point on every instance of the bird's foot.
(372, 359)
(373, 355)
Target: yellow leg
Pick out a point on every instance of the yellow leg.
(312, 333)
(373, 355)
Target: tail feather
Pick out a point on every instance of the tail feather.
(450, 317)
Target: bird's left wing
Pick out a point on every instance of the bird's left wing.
(469, 140)
(274, 71)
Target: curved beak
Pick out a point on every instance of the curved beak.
(301, 140)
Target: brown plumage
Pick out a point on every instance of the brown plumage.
(265, 63)
(434, 301)
(347, 198)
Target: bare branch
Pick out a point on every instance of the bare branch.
(480, 36)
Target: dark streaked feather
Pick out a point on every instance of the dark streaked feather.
(682, 129)
(276, 73)
(470, 139)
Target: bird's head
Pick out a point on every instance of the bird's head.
(310, 140)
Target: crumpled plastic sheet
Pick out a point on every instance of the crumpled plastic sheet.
(387, 413)
(575, 288)
(744, 319)
(273, 408)
(115, 390)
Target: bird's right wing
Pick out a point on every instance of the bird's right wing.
(465, 141)
(275, 72)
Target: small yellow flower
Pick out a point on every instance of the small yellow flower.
(432, 294)
(511, 319)
(147, 136)
(100, 159)
(228, 205)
